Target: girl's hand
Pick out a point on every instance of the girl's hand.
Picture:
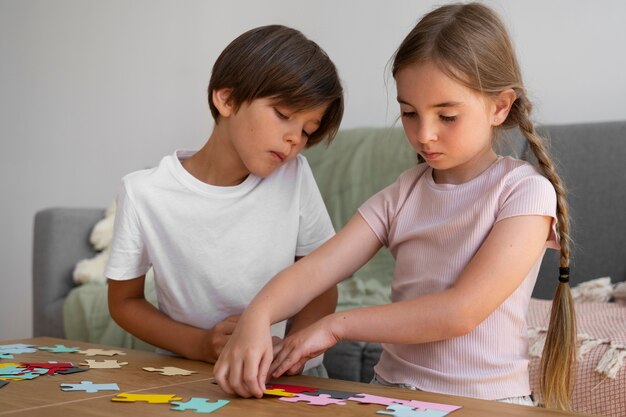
(301, 346)
(242, 368)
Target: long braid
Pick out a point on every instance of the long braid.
(559, 353)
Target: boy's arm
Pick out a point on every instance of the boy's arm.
(129, 308)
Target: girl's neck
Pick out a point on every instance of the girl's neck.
(467, 171)
(217, 162)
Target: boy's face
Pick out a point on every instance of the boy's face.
(266, 135)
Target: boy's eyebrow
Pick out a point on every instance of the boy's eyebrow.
(438, 105)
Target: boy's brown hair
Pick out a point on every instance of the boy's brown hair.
(280, 63)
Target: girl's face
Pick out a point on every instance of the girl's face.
(448, 124)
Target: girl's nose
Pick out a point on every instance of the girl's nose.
(425, 134)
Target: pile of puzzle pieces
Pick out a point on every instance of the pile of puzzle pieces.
(394, 407)
(286, 393)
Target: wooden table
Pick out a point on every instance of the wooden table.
(43, 396)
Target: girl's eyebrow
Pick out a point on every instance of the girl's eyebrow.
(438, 105)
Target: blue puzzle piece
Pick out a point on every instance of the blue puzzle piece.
(400, 410)
(89, 386)
(199, 405)
(60, 349)
(11, 370)
(17, 348)
(5, 355)
(3, 383)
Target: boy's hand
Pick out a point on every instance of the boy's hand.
(218, 336)
(243, 366)
(299, 347)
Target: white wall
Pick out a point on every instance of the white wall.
(91, 90)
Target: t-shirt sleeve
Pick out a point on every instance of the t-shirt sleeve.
(128, 258)
(315, 226)
(379, 210)
(532, 196)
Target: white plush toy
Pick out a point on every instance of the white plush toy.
(92, 269)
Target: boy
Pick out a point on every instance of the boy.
(218, 223)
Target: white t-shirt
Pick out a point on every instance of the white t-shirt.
(213, 248)
(433, 231)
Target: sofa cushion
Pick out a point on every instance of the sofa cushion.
(357, 164)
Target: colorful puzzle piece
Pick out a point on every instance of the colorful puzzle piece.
(89, 386)
(170, 371)
(278, 392)
(102, 352)
(199, 405)
(51, 366)
(373, 399)
(149, 398)
(401, 410)
(295, 389)
(17, 348)
(72, 370)
(105, 364)
(422, 405)
(338, 395)
(60, 349)
(322, 399)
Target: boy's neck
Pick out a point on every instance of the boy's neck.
(216, 163)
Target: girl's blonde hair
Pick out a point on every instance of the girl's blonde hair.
(471, 45)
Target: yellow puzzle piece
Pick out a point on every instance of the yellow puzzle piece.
(149, 398)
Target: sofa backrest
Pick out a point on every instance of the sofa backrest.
(590, 159)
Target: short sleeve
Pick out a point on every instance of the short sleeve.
(379, 210)
(315, 226)
(531, 196)
(128, 258)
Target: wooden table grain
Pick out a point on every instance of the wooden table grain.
(43, 396)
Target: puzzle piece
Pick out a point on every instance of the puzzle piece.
(422, 405)
(5, 355)
(17, 348)
(278, 392)
(295, 389)
(170, 371)
(338, 395)
(105, 364)
(199, 405)
(17, 372)
(12, 370)
(89, 386)
(401, 410)
(72, 370)
(60, 349)
(96, 352)
(322, 399)
(51, 366)
(373, 399)
(149, 398)
(3, 383)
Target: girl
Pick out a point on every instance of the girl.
(468, 230)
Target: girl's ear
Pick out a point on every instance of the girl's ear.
(222, 101)
(502, 105)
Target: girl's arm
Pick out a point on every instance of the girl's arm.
(244, 363)
(130, 309)
(496, 270)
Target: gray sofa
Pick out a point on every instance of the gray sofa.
(357, 164)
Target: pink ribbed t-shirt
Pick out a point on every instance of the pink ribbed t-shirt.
(433, 231)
